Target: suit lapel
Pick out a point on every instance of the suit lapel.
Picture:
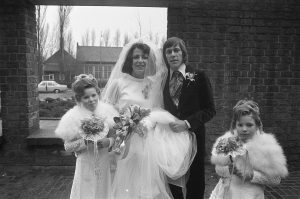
(184, 89)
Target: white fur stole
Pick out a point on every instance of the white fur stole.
(265, 154)
(69, 125)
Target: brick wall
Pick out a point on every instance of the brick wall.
(17, 78)
(249, 49)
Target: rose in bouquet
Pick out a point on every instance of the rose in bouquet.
(94, 128)
(128, 122)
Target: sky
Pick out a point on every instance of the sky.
(100, 18)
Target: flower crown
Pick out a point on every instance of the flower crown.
(83, 76)
(247, 105)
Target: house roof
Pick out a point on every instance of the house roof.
(98, 53)
(50, 67)
(56, 58)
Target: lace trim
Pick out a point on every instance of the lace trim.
(75, 146)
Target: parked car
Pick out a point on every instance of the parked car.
(51, 86)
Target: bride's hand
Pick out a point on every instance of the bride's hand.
(178, 126)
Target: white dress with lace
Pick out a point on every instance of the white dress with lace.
(143, 170)
(92, 178)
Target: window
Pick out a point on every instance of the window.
(89, 70)
(50, 84)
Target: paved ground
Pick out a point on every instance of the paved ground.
(55, 183)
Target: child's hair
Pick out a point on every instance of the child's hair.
(83, 82)
(246, 107)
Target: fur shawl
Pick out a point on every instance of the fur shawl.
(265, 154)
(69, 125)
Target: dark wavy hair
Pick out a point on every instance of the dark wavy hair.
(174, 41)
(243, 108)
(83, 83)
(127, 67)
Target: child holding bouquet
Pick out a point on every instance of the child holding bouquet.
(246, 158)
(84, 129)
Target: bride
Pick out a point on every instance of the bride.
(162, 156)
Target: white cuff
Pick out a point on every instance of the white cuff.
(188, 124)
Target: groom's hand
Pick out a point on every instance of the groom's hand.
(178, 126)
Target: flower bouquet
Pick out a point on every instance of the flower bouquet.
(94, 128)
(234, 148)
(230, 146)
(128, 122)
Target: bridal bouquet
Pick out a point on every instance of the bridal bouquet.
(94, 128)
(128, 122)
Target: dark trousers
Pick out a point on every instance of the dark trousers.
(196, 183)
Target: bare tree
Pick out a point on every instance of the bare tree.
(106, 37)
(139, 22)
(117, 37)
(163, 40)
(52, 42)
(85, 39)
(136, 35)
(63, 13)
(70, 44)
(126, 39)
(150, 35)
(156, 38)
(101, 42)
(93, 37)
(42, 34)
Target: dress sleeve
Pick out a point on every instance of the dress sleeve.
(261, 178)
(75, 145)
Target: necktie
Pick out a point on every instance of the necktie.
(175, 86)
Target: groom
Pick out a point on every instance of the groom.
(188, 96)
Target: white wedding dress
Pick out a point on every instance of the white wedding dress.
(149, 163)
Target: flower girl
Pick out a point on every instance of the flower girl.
(246, 158)
(84, 130)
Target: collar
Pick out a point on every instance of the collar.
(181, 69)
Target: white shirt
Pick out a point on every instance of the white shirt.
(181, 69)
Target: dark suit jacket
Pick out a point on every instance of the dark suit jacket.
(196, 104)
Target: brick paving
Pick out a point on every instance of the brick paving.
(23, 182)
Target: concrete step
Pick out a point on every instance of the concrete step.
(45, 135)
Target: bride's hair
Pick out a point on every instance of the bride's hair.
(127, 67)
(243, 108)
(83, 82)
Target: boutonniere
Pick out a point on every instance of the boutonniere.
(190, 76)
